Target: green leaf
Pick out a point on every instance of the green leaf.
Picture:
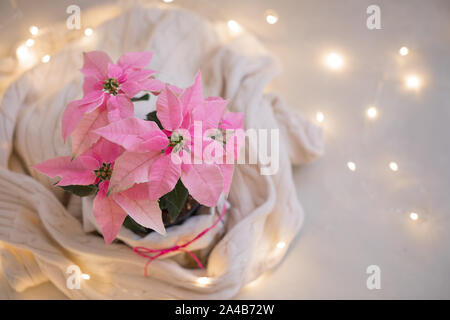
(132, 225)
(141, 98)
(152, 117)
(174, 200)
(82, 191)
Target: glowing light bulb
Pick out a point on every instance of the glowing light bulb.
(34, 30)
(22, 52)
(351, 165)
(413, 216)
(334, 61)
(88, 32)
(29, 42)
(372, 112)
(203, 281)
(413, 82)
(25, 57)
(393, 166)
(281, 245)
(45, 58)
(271, 17)
(85, 276)
(403, 51)
(320, 117)
(167, 1)
(234, 26)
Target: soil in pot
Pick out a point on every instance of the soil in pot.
(190, 208)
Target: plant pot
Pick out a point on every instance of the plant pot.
(190, 208)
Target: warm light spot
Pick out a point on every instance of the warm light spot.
(320, 117)
(393, 166)
(351, 166)
(271, 17)
(167, 1)
(85, 276)
(22, 52)
(88, 32)
(34, 30)
(204, 281)
(413, 216)
(372, 112)
(413, 82)
(403, 51)
(334, 61)
(281, 245)
(234, 26)
(45, 58)
(29, 42)
(25, 56)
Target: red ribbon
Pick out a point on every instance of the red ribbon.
(153, 254)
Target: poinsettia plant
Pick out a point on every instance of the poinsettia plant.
(136, 169)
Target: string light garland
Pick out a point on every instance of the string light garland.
(281, 245)
(372, 112)
(34, 30)
(271, 17)
(203, 281)
(413, 82)
(88, 32)
(413, 216)
(46, 58)
(320, 117)
(393, 166)
(85, 276)
(333, 61)
(234, 27)
(403, 51)
(351, 165)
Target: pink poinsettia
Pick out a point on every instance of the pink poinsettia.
(95, 167)
(156, 156)
(109, 87)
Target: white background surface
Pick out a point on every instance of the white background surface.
(353, 219)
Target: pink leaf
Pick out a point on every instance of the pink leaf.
(83, 137)
(131, 168)
(136, 60)
(151, 85)
(114, 71)
(91, 84)
(104, 151)
(76, 109)
(210, 112)
(80, 171)
(136, 203)
(163, 177)
(169, 109)
(119, 107)
(193, 96)
(232, 120)
(128, 132)
(108, 214)
(204, 182)
(96, 64)
(139, 74)
(227, 173)
(131, 88)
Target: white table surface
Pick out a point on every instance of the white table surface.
(353, 219)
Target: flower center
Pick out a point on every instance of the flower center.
(176, 141)
(111, 86)
(104, 172)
